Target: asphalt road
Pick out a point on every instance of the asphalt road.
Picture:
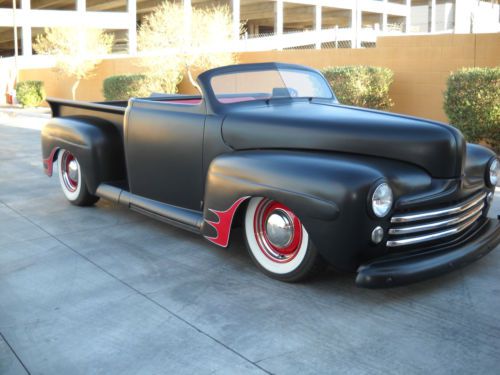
(105, 291)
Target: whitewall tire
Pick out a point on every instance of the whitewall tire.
(278, 242)
(72, 181)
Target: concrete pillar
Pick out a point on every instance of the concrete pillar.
(448, 7)
(384, 17)
(336, 31)
(26, 30)
(432, 4)
(132, 26)
(81, 5)
(356, 23)
(318, 24)
(408, 16)
(187, 20)
(236, 19)
(278, 21)
(384, 22)
(463, 11)
(187, 6)
(354, 26)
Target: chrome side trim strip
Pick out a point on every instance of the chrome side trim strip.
(437, 224)
(434, 236)
(423, 215)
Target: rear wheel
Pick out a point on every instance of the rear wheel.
(72, 181)
(278, 242)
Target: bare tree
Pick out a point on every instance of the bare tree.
(77, 50)
(172, 42)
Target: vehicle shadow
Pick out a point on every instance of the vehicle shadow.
(333, 281)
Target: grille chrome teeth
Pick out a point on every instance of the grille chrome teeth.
(424, 215)
(435, 224)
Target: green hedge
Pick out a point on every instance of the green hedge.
(361, 86)
(472, 103)
(30, 93)
(124, 87)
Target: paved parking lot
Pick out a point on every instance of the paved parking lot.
(105, 291)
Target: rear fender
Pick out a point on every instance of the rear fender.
(95, 143)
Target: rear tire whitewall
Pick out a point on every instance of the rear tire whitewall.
(71, 179)
(70, 175)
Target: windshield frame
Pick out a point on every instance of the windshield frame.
(205, 81)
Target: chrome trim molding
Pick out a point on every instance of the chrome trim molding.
(435, 235)
(424, 215)
(464, 214)
(437, 224)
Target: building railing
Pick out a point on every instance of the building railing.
(335, 37)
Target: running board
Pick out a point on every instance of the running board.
(176, 216)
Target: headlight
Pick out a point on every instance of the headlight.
(382, 200)
(493, 172)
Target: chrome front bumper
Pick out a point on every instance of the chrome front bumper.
(413, 266)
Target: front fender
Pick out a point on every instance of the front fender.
(328, 193)
(94, 142)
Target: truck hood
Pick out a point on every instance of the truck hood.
(435, 147)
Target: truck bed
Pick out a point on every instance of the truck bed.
(112, 111)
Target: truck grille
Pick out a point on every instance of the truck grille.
(424, 226)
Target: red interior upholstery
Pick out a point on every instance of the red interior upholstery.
(183, 101)
(237, 100)
(198, 100)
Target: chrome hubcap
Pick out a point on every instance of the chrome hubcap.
(69, 171)
(279, 228)
(278, 231)
(73, 170)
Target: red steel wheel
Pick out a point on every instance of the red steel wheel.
(70, 175)
(71, 180)
(70, 171)
(277, 240)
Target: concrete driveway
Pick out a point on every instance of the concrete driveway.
(103, 290)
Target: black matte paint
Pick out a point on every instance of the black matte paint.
(95, 142)
(319, 158)
(164, 144)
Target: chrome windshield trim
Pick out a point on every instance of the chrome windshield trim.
(434, 236)
(437, 224)
(424, 215)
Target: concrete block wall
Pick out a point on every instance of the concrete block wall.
(421, 65)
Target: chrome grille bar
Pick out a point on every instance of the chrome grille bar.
(424, 215)
(435, 235)
(423, 226)
(437, 224)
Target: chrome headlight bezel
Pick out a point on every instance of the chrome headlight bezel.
(492, 172)
(381, 199)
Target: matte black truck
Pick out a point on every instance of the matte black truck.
(394, 198)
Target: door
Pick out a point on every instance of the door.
(163, 150)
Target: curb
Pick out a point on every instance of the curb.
(40, 112)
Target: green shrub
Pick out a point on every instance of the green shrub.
(124, 87)
(472, 103)
(30, 93)
(361, 86)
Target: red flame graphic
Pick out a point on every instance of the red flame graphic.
(223, 225)
(49, 162)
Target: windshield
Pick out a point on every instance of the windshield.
(269, 83)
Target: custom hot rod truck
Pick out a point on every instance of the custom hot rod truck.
(395, 198)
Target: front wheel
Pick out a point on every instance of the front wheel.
(278, 242)
(72, 181)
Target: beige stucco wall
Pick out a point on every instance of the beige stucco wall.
(421, 65)
(90, 89)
